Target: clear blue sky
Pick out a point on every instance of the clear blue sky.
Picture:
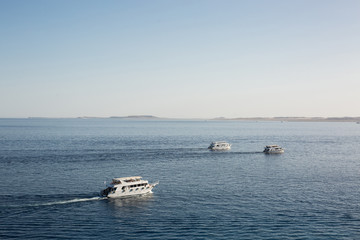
(184, 59)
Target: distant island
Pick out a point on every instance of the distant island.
(294, 119)
(252, 119)
(273, 119)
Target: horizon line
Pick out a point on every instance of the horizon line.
(152, 117)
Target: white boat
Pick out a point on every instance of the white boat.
(127, 186)
(219, 146)
(273, 149)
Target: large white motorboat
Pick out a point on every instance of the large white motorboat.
(127, 186)
(219, 146)
(273, 149)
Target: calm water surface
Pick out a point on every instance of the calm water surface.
(51, 172)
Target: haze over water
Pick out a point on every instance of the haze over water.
(51, 172)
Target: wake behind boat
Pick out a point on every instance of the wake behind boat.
(127, 186)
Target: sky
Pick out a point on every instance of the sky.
(179, 59)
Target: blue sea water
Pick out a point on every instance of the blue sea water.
(51, 172)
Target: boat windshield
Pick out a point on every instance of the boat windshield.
(115, 181)
(132, 180)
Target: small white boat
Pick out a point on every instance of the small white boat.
(127, 186)
(273, 149)
(219, 146)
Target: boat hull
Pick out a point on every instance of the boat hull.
(274, 152)
(118, 193)
(219, 149)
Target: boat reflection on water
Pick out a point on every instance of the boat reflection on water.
(130, 203)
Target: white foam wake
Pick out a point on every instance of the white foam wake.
(71, 201)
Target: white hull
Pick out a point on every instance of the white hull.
(273, 152)
(129, 192)
(220, 149)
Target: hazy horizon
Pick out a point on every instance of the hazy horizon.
(152, 117)
(179, 59)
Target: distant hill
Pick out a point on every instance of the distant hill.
(273, 119)
(295, 119)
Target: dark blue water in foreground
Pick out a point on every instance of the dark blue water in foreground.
(52, 170)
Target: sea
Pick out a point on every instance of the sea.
(52, 170)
